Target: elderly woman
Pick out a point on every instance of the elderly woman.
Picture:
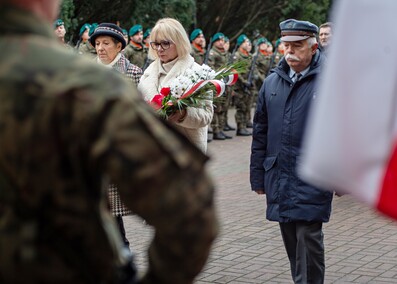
(170, 47)
(108, 41)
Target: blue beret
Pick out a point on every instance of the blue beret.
(135, 29)
(195, 34)
(294, 30)
(58, 23)
(218, 36)
(241, 39)
(84, 28)
(147, 33)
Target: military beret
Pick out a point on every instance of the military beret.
(147, 33)
(262, 40)
(92, 28)
(226, 39)
(58, 23)
(195, 34)
(218, 36)
(294, 30)
(125, 32)
(108, 29)
(84, 28)
(135, 29)
(241, 39)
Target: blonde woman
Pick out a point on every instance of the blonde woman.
(170, 48)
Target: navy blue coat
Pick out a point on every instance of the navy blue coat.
(279, 124)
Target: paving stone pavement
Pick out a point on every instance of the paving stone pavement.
(361, 246)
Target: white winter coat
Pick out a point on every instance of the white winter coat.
(195, 124)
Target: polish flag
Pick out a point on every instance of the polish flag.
(351, 140)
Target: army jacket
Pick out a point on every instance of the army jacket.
(198, 54)
(217, 58)
(135, 54)
(67, 126)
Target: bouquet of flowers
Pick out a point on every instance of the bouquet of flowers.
(191, 88)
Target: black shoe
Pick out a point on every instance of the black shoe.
(243, 132)
(219, 136)
(249, 124)
(226, 136)
(228, 128)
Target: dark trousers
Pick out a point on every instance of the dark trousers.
(304, 243)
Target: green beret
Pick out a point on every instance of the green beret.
(58, 23)
(226, 39)
(195, 34)
(241, 39)
(125, 32)
(218, 36)
(92, 28)
(147, 33)
(278, 42)
(84, 28)
(262, 40)
(135, 29)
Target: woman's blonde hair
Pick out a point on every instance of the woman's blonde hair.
(172, 30)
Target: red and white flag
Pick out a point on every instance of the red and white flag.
(351, 139)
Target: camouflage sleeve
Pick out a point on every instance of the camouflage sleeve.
(161, 177)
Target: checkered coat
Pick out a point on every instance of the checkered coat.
(131, 71)
(117, 207)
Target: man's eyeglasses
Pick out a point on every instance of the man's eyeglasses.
(165, 44)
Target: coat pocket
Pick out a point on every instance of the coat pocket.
(271, 179)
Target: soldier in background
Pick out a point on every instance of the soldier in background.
(228, 92)
(134, 51)
(243, 89)
(84, 35)
(60, 31)
(125, 35)
(146, 44)
(262, 63)
(86, 125)
(197, 40)
(217, 58)
(86, 48)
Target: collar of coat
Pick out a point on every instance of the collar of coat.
(283, 68)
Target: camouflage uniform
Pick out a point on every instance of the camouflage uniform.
(198, 54)
(66, 127)
(243, 94)
(216, 59)
(136, 54)
(87, 49)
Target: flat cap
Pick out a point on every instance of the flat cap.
(294, 30)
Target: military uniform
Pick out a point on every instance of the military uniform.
(66, 127)
(243, 95)
(87, 49)
(136, 54)
(216, 59)
(198, 54)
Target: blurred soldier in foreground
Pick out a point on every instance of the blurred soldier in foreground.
(67, 126)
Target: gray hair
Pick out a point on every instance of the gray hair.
(311, 41)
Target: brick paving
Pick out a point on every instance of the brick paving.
(361, 246)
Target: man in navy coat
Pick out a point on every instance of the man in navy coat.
(279, 123)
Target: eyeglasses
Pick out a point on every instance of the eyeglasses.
(165, 44)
